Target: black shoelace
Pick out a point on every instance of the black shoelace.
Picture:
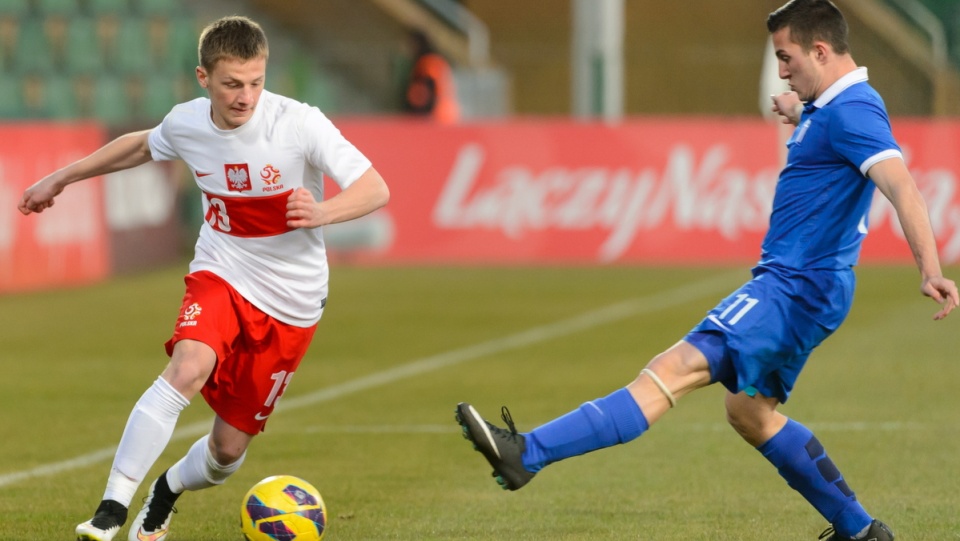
(508, 419)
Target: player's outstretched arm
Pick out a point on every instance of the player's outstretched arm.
(365, 195)
(895, 182)
(124, 152)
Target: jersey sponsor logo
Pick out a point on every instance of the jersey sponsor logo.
(238, 177)
(270, 176)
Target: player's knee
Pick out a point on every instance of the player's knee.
(754, 422)
(744, 425)
(226, 454)
(190, 366)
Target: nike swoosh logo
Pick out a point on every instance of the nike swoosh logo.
(152, 537)
(260, 417)
(714, 319)
(199, 174)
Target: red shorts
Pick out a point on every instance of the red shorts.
(256, 354)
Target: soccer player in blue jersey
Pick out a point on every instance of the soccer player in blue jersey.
(756, 341)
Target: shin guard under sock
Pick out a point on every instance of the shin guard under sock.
(802, 461)
(601, 423)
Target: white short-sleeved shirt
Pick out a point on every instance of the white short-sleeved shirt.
(246, 175)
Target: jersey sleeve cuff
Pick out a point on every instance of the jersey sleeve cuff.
(879, 157)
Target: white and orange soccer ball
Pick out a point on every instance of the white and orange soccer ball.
(283, 508)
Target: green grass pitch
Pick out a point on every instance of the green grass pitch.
(368, 418)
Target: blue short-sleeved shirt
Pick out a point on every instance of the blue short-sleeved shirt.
(823, 197)
(759, 337)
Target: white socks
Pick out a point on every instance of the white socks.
(147, 433)
(199, 469)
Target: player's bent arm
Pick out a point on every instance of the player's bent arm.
(893, 179)
(788, 106)
(124, 152)
(365, 195)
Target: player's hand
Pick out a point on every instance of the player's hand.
(788, 106)
(40, 196)
(303, 210)
(943, 291)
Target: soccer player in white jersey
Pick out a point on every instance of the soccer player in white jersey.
(258, 282)
(756, 341)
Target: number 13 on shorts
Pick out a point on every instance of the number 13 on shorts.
(280, 381)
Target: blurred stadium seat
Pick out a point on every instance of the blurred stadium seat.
(58, 7)
(342, 55)
(100, 7)
(106, 59)
(110, 103)
(156, 7)
(83, 46)
(15, 8)
(159, 94)
(59, 100)
(33, 50)
(132, 46)
(123, 62)
(11, 106)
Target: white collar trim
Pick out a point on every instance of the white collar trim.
(858, 75)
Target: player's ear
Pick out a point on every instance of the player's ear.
(821, 50)
(202, 77)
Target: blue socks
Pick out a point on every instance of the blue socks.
(802, 461)
(795, 451)
(604, 422)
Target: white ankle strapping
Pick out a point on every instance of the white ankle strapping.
(660, 385)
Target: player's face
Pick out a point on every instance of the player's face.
(798, 67)
(234, 87)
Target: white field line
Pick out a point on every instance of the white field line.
(587, 320)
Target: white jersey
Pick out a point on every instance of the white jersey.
(246, 175)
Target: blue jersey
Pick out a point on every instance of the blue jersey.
(822, 201)
(759, 337)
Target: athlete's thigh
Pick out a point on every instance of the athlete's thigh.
(208, 314)
(245, 387)
(750, 333)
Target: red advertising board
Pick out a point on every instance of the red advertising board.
(67, 244)
(657, 191)
(645, 191)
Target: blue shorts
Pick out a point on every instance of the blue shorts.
(759, 337)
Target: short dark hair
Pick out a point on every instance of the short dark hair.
(231, 37)
(810, 21)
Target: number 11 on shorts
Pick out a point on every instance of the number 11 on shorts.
(747, 302)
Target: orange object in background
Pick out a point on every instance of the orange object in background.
(68, 243)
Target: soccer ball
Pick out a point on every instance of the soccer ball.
(283, 508)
